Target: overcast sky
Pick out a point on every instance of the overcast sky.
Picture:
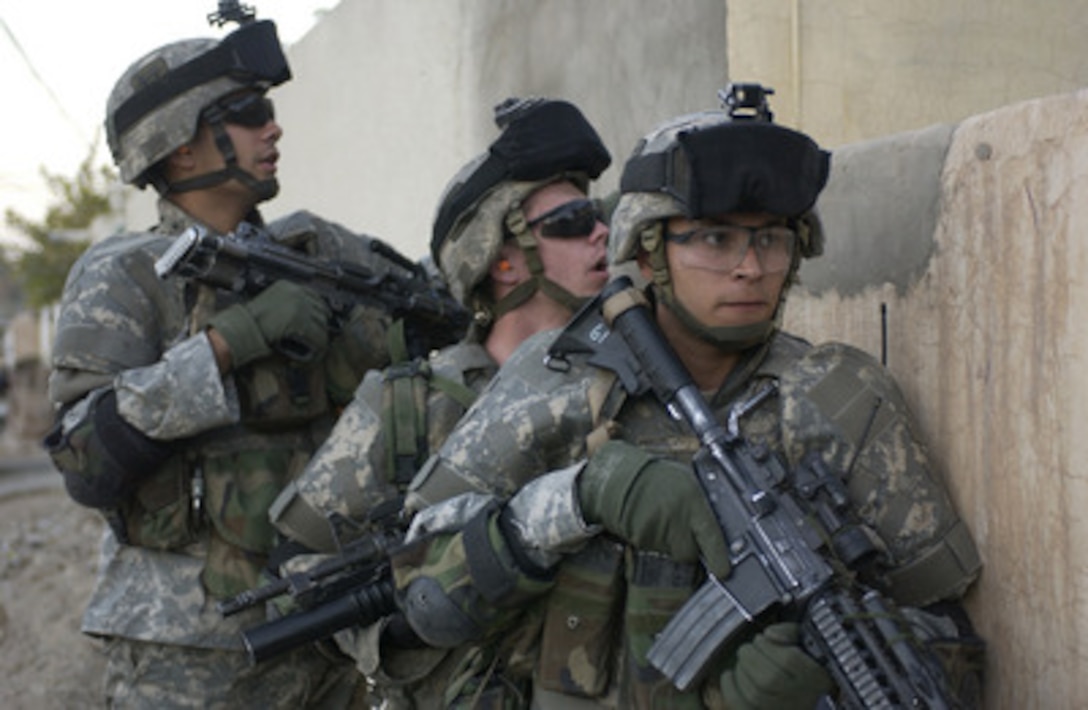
(59, 60)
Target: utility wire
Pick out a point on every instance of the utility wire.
(37, 77)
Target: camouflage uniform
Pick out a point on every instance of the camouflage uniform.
(196, 528)
(587, 637)
(399, 416)
(355, 471)
(352, 475)
(561, 613)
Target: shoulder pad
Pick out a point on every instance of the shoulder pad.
(830, 396)
(841, 402)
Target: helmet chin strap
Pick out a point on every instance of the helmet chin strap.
(519, 227)
(261, 189)
(728, 339)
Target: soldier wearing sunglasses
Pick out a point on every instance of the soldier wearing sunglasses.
(178, 416)
(560, 525)
(517, 241)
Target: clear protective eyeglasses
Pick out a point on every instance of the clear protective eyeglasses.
(723, 247)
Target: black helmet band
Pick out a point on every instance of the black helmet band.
(553, 138)
(251, 54)
(741, 166)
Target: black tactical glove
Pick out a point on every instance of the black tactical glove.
(654, 504)
(287, 317)
(771, 671)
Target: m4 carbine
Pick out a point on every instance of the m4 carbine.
(777, 551)
(249, 261)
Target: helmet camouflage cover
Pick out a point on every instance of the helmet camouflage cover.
(542, 141)
(155, 106)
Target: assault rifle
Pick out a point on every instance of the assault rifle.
(777, 551)
(352, 588)
(249, 261)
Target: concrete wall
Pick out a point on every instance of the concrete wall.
(970, 239)
(851, 70)
(391, 98)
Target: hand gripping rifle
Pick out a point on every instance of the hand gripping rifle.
(776, 547)
(249, 261)
(353, 588)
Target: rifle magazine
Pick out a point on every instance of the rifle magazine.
(687, 644)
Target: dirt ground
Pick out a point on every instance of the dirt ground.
(48, 553)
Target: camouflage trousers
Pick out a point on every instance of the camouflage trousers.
(143, 676)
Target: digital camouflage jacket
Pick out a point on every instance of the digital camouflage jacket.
(397, 418)
(578, 631)
(199, 456)
(356, 482)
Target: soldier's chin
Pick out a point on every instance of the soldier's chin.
(266, 189)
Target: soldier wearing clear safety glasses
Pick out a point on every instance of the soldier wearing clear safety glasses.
(560, 526)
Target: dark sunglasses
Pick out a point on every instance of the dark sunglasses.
(251, 110)
(577, 218)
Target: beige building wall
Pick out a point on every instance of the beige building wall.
(26, 346)
(391, 98)
(850, 70)
(958, 252)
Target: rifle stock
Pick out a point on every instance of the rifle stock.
(776, 550)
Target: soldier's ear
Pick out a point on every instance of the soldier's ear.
(504, 269)
(181, 160)
(644, 267)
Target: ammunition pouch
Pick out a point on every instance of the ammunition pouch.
(242, 479)
(101, 456)
(277, 394)
(656, 588)
(581, 623)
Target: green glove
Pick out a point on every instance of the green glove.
(654, 504)
(361, 346)
(290, 318)
(771, 671)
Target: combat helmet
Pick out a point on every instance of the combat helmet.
(542, 141)
(734, 159)
(156, 105)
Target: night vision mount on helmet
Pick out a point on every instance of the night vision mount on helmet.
(711, 163)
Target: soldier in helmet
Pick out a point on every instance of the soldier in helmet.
(178, 416)
(518, 241)
(559, 526)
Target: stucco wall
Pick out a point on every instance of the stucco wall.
(390, 98)
(851, 70)
(983, 335)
